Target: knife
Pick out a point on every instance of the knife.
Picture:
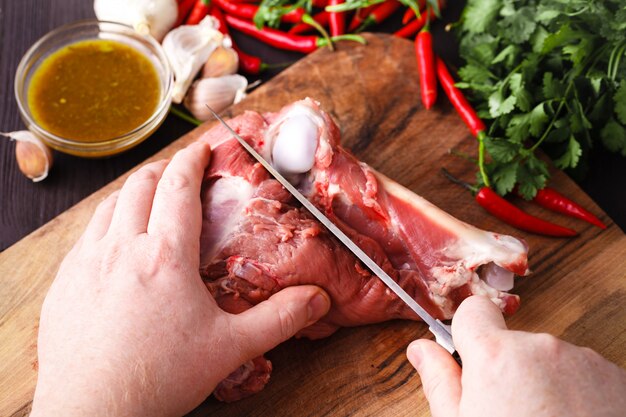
(442, 332)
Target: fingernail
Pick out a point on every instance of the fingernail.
(414, 353)
(318, 306)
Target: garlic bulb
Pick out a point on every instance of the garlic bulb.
(188, 48)
(153, 17)
(223, 61)
(34, 158)
(217, 93)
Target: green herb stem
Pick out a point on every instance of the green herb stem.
(481, 157)
(182, 115)
(554, 119)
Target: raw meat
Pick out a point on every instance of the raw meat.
(256, 239)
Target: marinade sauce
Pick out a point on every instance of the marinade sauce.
(94, 90)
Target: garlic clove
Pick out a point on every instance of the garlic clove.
(153, 17)
(34, 158)
(223, 61)
(188, 48)
(218, 93)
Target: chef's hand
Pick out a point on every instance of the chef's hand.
(513, 373)
(129, 328)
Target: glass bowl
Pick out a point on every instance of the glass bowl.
(89, 30)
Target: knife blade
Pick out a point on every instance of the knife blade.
(441, 330)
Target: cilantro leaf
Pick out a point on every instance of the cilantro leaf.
(475, 74)
(498, 105)
(563, 36)
(531, 177)
(571, 156)
(614, 137)
(505, 177)
(552, 88)
(507, 55)
(559, 135)
(620, 102)
(518, 128)
(578, 120)
(518, 27)
(538, 119)
(522, 97)
(501, 150)
(479, 14)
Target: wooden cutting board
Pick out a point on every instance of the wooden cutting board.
(577, 290)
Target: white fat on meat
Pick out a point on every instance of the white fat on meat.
(227, 199)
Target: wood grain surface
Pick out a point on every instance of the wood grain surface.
(577, 290)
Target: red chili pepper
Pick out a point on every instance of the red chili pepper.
(415, 26)
(275, 37)
(282, 40)
(247, 11)
(320, 3)
(184, 7)
(426, 67)
(458, 100)
(409, 15)
(466, 111)
(379, 14)
(337, 20)
(321, 18)
(250, 64)
(198, 12)
(553, 200)
(359, 17)
(510, 214)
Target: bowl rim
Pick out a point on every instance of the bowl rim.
(122, 29)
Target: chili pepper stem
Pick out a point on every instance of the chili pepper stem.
(481, 157)
(184, 116)
(457, 181)
(463, 155)
(369, 21)
(346, 37)
(306, 18)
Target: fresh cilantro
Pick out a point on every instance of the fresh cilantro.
(570, 157)
(498, 105)
(614, 137)
(501, 150)
(549, 72)
(480, 14)
(538, 119)
(270, 12)
(620, 102)
(505, 177)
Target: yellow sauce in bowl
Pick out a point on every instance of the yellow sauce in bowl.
(94, 90)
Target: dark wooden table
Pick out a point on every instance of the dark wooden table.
(24, 206)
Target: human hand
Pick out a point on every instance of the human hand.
(129, 328)
(513, 373)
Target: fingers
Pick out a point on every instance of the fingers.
(101, 219)
(476, 320)
(440, 375)
(277, 319)
(134, 203)
(176, 210)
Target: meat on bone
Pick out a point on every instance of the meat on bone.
(257, 240)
